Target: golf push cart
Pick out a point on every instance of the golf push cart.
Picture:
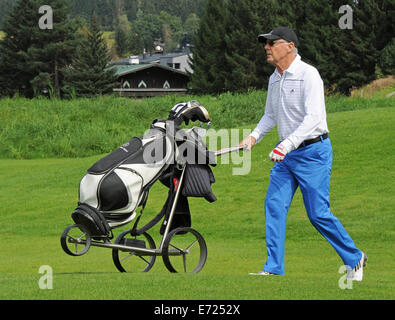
(117, 185)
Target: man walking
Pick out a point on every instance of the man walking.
(303, 158)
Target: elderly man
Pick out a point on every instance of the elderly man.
(303, 158)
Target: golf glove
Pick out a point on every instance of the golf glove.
(279, 153)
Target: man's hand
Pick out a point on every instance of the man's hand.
(249, 142)
(278, 154)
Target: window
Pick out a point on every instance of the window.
(166, 85)
(177, 66)
(142, 85)
(126, 85)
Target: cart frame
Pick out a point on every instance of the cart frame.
(166, 248)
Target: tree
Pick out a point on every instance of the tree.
(89, 74)
(359, 68)
(191, 27)
(109, 11)
(176, 8)
(41, 84)
(208, 61)
(387, 59)
(14, 75)
(171, 30)
(5, 8)
(245, 56)
(346, 56)
(122, 36)
(322, 42)
(385, 27)
(53, 49)
(145, 29)
(28, 51)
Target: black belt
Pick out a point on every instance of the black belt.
(311, 141)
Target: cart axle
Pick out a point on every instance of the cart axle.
(138, 250)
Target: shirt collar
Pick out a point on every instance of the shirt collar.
(292, 68)
(294, 65)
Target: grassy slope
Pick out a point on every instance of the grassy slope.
(38, 197)
(42, 128)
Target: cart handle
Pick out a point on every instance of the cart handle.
(229, 150)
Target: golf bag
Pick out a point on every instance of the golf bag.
(115, 186)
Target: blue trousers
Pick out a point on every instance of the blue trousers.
(308, 168)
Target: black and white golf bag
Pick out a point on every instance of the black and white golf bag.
(115, 186)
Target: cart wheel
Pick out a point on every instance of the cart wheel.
(129, 261)
(184, 250)
(75, 240)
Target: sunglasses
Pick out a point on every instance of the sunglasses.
(272, 43)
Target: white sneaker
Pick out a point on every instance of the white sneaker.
(356, 273)
(261, 273)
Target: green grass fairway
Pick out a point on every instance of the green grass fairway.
(38, 196)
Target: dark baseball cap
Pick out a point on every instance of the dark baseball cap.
(280, 33)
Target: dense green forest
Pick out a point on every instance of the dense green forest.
(109, 11)
(133, 25)
(228, 57)
(226, 54)
(49, 60)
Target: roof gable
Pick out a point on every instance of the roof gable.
(122, 70)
